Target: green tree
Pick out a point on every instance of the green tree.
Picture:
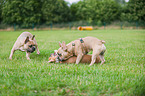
(135, 10)
(1, 6)
(55, 11)
(76, 11)
(120, 1)
(21, 11)
(32, 11)
(108, 11)
(97, 10)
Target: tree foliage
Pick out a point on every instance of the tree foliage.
(102, 10)
(135, 10)
(21, 11)
(55, 11)
(1, 6)
(47, 11)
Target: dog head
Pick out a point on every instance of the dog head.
(64, 51)
(29, 44)
(54, 57)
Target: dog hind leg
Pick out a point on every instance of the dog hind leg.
(102, 59)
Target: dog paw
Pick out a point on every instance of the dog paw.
(49, 61)
(10, 58)
(38, 53)
(102, 62)
(28, 58)
(90, 64)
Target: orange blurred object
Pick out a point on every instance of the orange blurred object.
(85, 28)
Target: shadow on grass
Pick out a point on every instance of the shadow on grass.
(78, 64)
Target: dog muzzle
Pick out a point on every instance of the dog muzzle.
(58, 59)
(31, 50)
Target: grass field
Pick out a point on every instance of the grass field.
(123, 73)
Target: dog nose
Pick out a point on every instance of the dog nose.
(33, 48)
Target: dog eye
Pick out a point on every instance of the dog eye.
(59, 54)
(30, 45)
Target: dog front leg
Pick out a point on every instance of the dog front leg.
(12, 52)
(38, 52)
(79, 58)
(27, 55)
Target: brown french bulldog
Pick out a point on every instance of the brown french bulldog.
(27, 43)
(86, 59)
(82, 46)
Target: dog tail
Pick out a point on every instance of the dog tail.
(103, 41)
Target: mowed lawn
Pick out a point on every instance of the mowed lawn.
(123, 73)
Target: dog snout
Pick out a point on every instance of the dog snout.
(59, 58)
(33, 48)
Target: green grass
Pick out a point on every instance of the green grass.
(123, 73)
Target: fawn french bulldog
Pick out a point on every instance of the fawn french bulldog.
(27, 43)
(82, 46)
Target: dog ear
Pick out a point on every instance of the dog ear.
(55, 52)
(103, 41)
(64, 46)
(33, 37)
(60, 44)
(27, 40)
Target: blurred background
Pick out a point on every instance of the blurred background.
(69, 14)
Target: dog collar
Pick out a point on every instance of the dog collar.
(81, 40)
(73, 44)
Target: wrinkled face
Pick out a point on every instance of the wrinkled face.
(29, 45)
(53, 58)
(63, 54)
(31, 48)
